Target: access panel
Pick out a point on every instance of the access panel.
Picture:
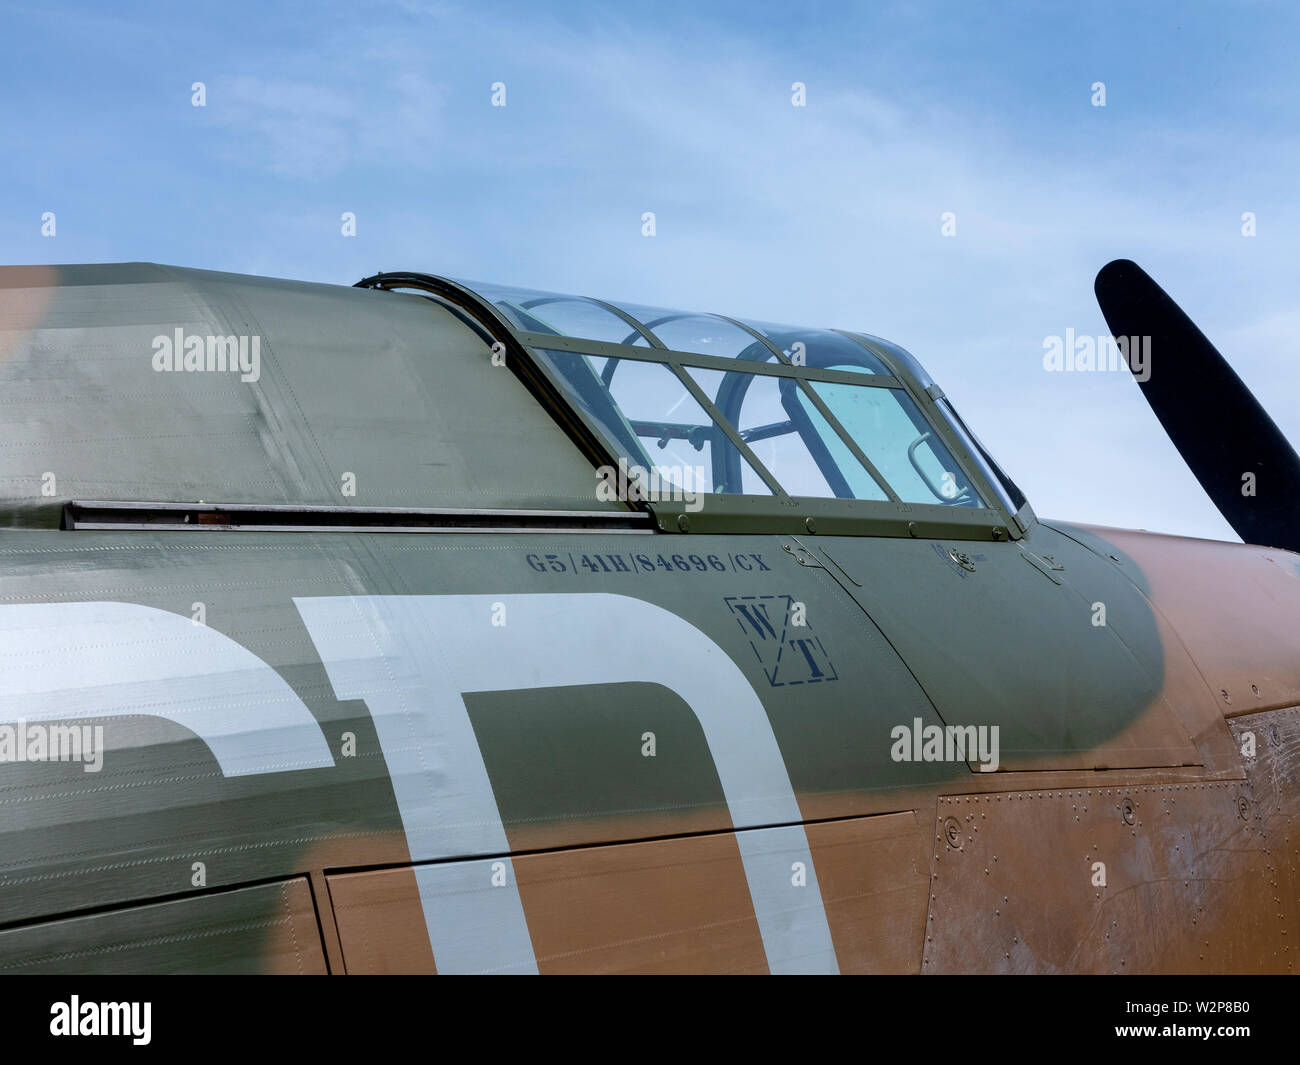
(747, 902)
(1069, 663)
(269, 928)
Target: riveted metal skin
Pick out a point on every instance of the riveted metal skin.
(1055, 881)
(1273, 775)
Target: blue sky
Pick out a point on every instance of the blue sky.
(828, 214)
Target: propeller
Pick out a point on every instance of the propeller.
(1246, 466)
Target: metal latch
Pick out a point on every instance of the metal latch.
(1045, 564)
(962, 559)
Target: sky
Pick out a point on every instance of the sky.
(827, 214)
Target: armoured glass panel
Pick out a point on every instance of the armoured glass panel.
(894, 435)
(651, 419)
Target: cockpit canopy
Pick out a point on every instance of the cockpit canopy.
(711, 404)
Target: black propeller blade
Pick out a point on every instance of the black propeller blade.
(1210, 415)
